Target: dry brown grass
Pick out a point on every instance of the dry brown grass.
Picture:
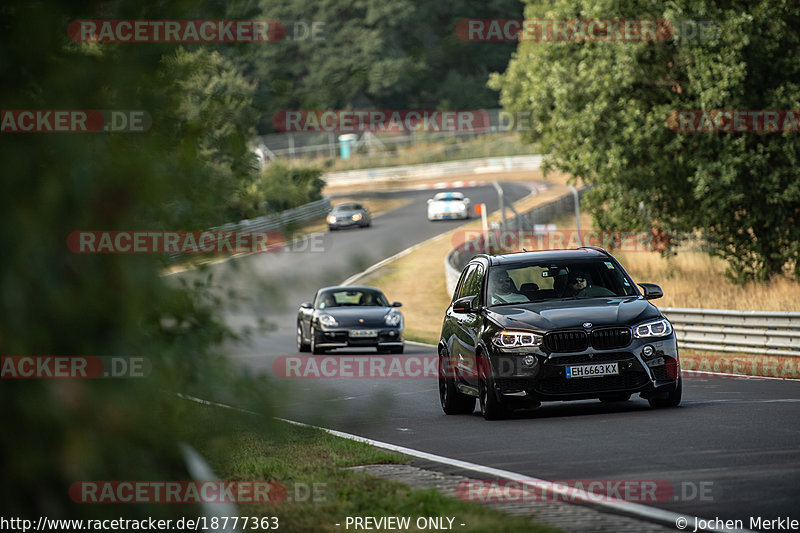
(689, 279)
(695, 279)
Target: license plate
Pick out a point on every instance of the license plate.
(364, 333)
(593, 371)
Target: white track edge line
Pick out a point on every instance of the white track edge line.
(627, 508)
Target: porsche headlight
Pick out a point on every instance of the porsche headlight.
(393, 319)
(357, 216)
(654, 328)
(331, 219)
(327, 320)
(516, 339)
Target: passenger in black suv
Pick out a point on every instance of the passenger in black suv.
(565, 340)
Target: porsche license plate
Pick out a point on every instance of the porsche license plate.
(364, 333)
(593, 371)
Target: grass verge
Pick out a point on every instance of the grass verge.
(321, 492)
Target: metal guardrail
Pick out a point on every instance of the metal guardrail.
(434, 170)
(726, 330)
(277, 221)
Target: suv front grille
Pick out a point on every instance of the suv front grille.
(561, 385)
(611, 338)
(566, 341)
(590, 358)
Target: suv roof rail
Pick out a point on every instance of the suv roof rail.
(596, 248)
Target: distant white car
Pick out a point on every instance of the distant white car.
(448, 205)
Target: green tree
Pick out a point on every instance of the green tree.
(281, 186)
(600, 112)
(342, 54)
(55, 302)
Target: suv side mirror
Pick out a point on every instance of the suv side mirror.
(465, 304)
(651, 291)
(306, 305)
(397, 304)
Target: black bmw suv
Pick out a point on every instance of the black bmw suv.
(553, 325)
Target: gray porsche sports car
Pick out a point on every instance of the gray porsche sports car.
(349, 317)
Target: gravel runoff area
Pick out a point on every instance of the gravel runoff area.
(569, 517)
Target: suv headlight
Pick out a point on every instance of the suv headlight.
(516, 339)
(327, 320)
(357, 216)
(654, 328)
(393, 319)
(331, 219)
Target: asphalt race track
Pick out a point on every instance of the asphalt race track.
(731, 451)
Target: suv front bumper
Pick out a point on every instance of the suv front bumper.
(519, 381)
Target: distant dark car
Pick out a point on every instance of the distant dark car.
(347, 215)
(349, 317)
(552, 326)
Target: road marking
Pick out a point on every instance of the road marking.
(619, 506)
(355, 277)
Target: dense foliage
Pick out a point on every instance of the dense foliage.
(57, 303)
(600, 112)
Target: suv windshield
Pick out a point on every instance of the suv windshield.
(556, 280)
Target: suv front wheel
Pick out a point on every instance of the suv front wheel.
(673, 399)
(491, 408)
(453, 401)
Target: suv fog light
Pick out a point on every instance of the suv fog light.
(529, 360)
(648, 351)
